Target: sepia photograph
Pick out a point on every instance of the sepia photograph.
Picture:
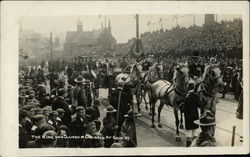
(131, 80)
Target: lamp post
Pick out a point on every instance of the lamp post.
(51, 46)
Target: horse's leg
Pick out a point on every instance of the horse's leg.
(137, 95)
(145, 100)
(177, 138)
(159, 114)
(153, 101)
(181, 125)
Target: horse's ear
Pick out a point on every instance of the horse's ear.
(218, 64)
(186, 63)
(177, 67)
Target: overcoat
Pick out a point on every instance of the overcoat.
(190, 110)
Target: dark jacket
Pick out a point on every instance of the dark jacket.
(61, 103)
(195, 70)
(126, 100)
(23, 137)
(190, 110)
(77, 128)
(108, 130)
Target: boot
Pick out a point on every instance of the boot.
(188, 143)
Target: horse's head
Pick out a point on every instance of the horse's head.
(215, 75)
(159, 70)
(182, 75)
(136, 72)
(156, 72)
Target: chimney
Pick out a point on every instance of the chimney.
(79, 25)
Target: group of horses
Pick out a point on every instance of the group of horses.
(152, 84)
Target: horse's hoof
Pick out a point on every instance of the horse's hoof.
(139, 110)
(152, 126)
(181, 126)
(146, 108)
(160, 125)
(178, 139)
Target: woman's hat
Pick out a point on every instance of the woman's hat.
(206, 119)
(110, 109)
(79, 79)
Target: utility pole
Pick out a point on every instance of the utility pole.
(194, 19)
(105, 34)
(176, 20)
(137, 33)
(51, 46)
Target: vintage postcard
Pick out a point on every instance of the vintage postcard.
(124, 78)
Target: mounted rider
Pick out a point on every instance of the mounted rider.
(196, 69)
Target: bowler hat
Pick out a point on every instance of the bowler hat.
(206, 119)
(110, 109)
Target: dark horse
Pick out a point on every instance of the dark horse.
(170, 94)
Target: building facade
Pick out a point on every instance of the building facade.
(88, 42)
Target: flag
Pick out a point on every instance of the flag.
(175, 16)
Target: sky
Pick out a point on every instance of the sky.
(123, 26)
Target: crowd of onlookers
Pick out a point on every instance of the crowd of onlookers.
(59, 114)
(218, 37)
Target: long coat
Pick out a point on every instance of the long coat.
(190, 110)
(126, 100)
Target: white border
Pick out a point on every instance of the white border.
(12, 11)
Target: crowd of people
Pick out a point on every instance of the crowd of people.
(58, 99)
(218, 37)
(54, 112)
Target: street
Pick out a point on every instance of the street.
(165, 136)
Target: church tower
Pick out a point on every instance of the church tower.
(79, 25)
